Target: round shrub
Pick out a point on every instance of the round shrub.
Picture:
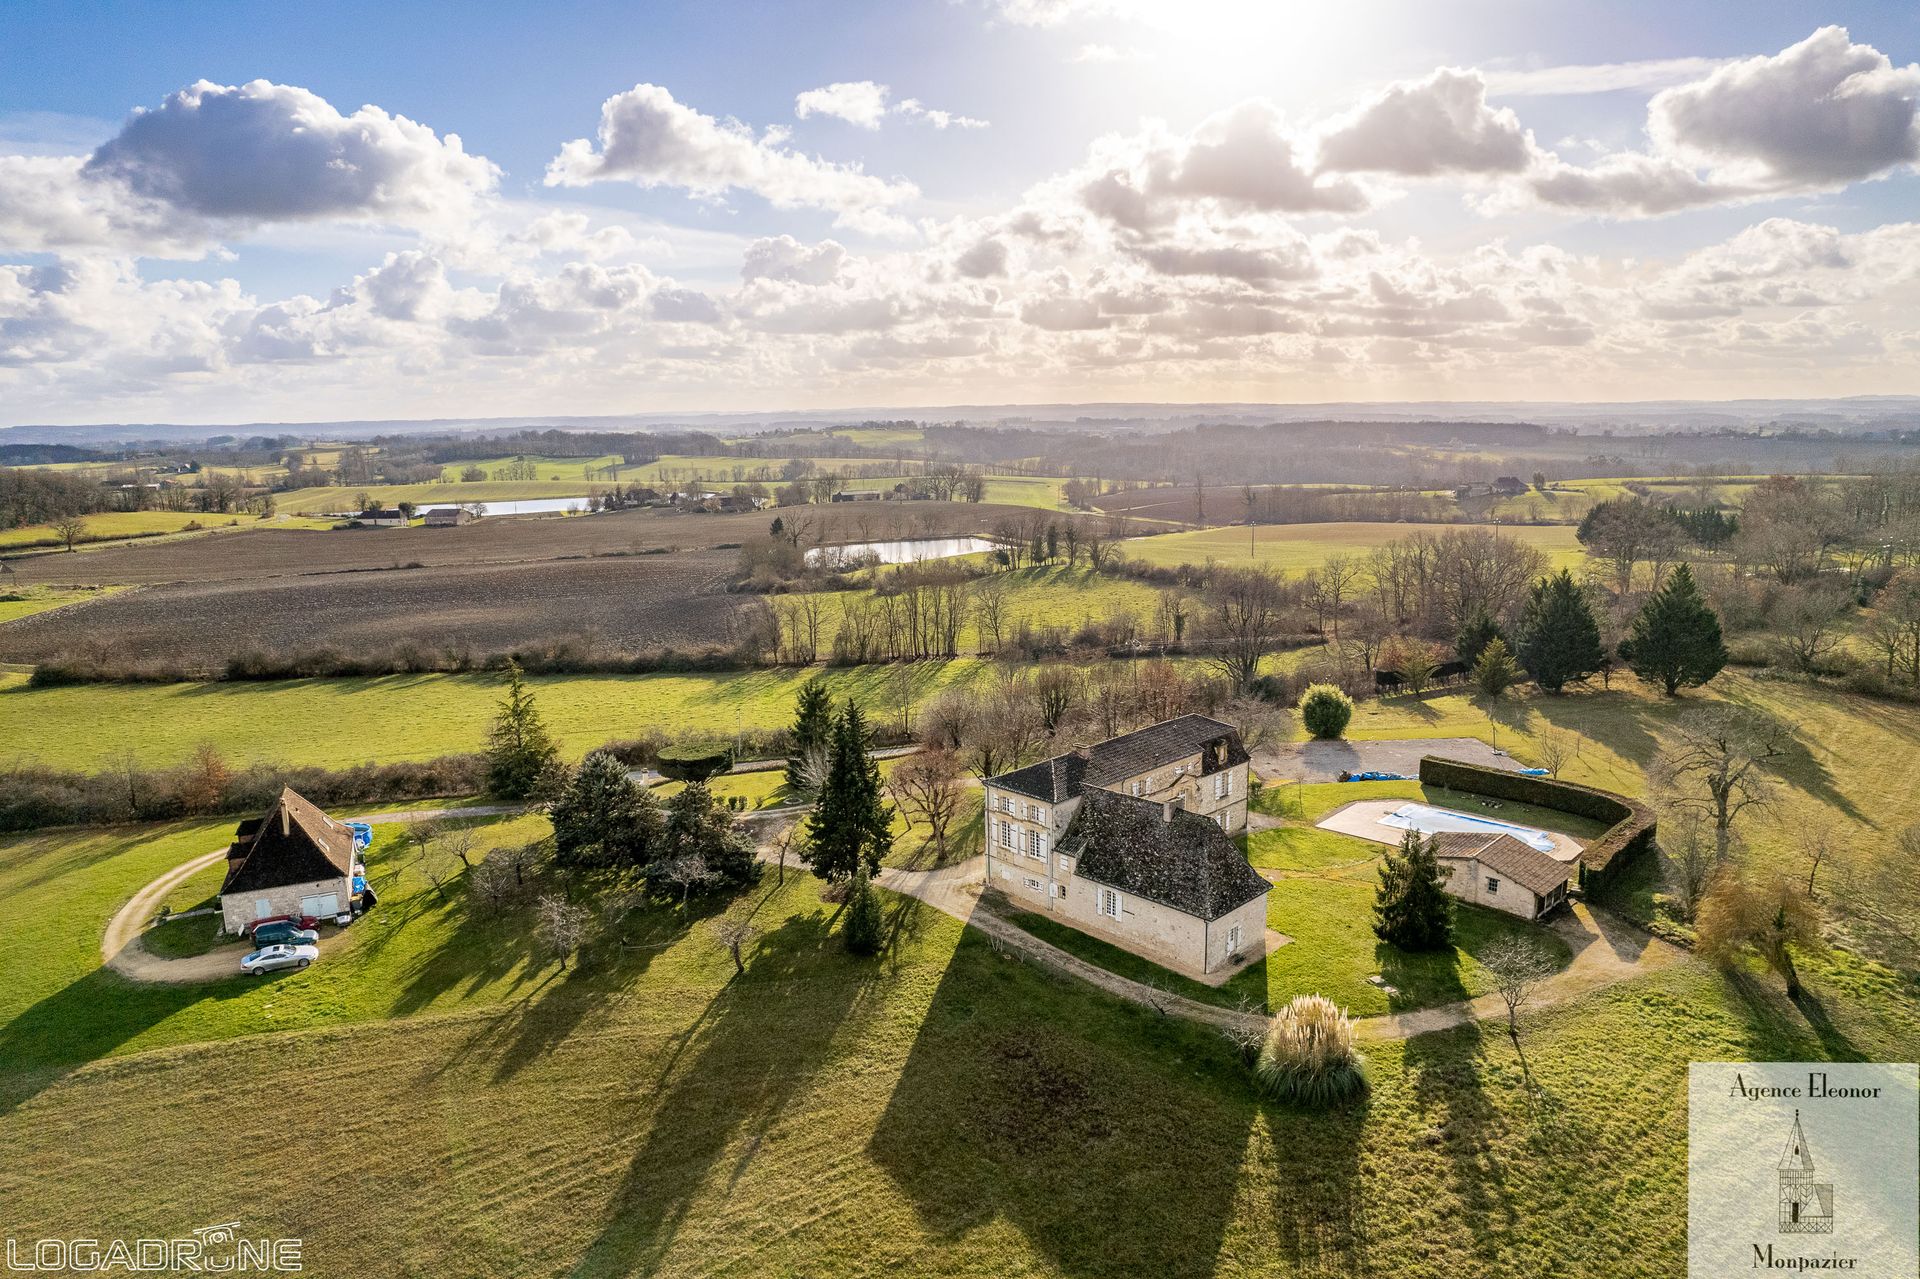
(1308, 1057)
(1325, 710)
(693, 762)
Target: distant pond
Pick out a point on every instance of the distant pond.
(530, 506)
(911, 551)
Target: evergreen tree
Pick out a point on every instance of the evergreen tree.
(1559, 640)
(849, 827)
(1411, 910)
(698, 828)
(1495, 671)
(1675, 640)
(1478, 631)
(864, 927)
(518, 747)
(603, 817)
(812, 729)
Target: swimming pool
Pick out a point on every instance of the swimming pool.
(1428, 820)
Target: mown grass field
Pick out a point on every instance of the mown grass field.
(25, 601)
(461, 1105)
(341, 721)
(1292, 549)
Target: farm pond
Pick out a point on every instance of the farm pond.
(909, 551)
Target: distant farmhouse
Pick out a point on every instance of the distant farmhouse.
(448, 516)
(293, 861)
(1501, 872)
(1131, 840)
(381, 518)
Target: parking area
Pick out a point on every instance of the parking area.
(1318, 761)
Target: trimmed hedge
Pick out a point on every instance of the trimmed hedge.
(1630, 825)
(694, 762)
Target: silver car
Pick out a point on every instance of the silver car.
(270, 959)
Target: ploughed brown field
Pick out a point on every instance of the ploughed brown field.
(636, 602)
(496, 540)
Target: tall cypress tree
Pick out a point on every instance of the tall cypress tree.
(1675, 640)
(1559, 640)
(812, 728)
(850, 827)
(1411, 909)
(518, 747)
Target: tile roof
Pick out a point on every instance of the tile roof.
(1051, 779)
(1128, 755)
(1187, 863)
(293, 843)
(1504, 855)
(1125, 756)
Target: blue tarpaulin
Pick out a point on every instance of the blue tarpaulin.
(362, 834)
(1533, 772)
(1377, 777)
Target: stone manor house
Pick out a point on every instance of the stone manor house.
(1130, 840)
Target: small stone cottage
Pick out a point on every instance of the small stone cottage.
(1502, 872)
(293, 861)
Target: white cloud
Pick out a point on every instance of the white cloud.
(647, 137)
(1822, 113)
(864, 103)
(785, 259)
(1441, 124)
(860, 102)
(213, 162)
(1606, 77)
(1814, 117)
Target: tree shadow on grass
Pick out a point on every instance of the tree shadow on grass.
(1319, 1202)
(1103, 1133)
(1783, 1029)
(762, 1041)
(88, 1019)
(1420, 979)
(1447, 1070)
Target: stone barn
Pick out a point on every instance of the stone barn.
(295, 860)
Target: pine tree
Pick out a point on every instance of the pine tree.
(1559, 640)
(518, 747)
(864, 927)
(1411, 909)
(603, 817)
(812, 729)
(698, 828)
(850, 827)
(1478, 631)
(1675, 640)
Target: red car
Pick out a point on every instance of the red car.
(303, 923)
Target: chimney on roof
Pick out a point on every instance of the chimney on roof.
(1166, 812)
(286, 818)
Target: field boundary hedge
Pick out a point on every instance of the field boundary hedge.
(1630, 825)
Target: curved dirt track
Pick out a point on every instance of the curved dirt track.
(122, 950)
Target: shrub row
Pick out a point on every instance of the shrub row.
(557, 657)
(33, 797)
(1630, 825)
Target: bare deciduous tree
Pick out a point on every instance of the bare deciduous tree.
(929, 784)
(734, 932)
(1519, 966)
(1716, 763)
(1556, 749)
(563, 927)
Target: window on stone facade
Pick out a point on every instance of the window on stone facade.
(1233, 940)
(1033, 883)
(1109, 903)
(1493, 885)
(1222, 785)
(1006, 834)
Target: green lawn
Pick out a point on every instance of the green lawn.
(1292, 549)
(946, 1110)
(1045, 596)
(342, 721)
(25, 601)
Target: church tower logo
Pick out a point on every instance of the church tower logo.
(1806, 1205)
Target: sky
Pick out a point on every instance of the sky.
(223, 213)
